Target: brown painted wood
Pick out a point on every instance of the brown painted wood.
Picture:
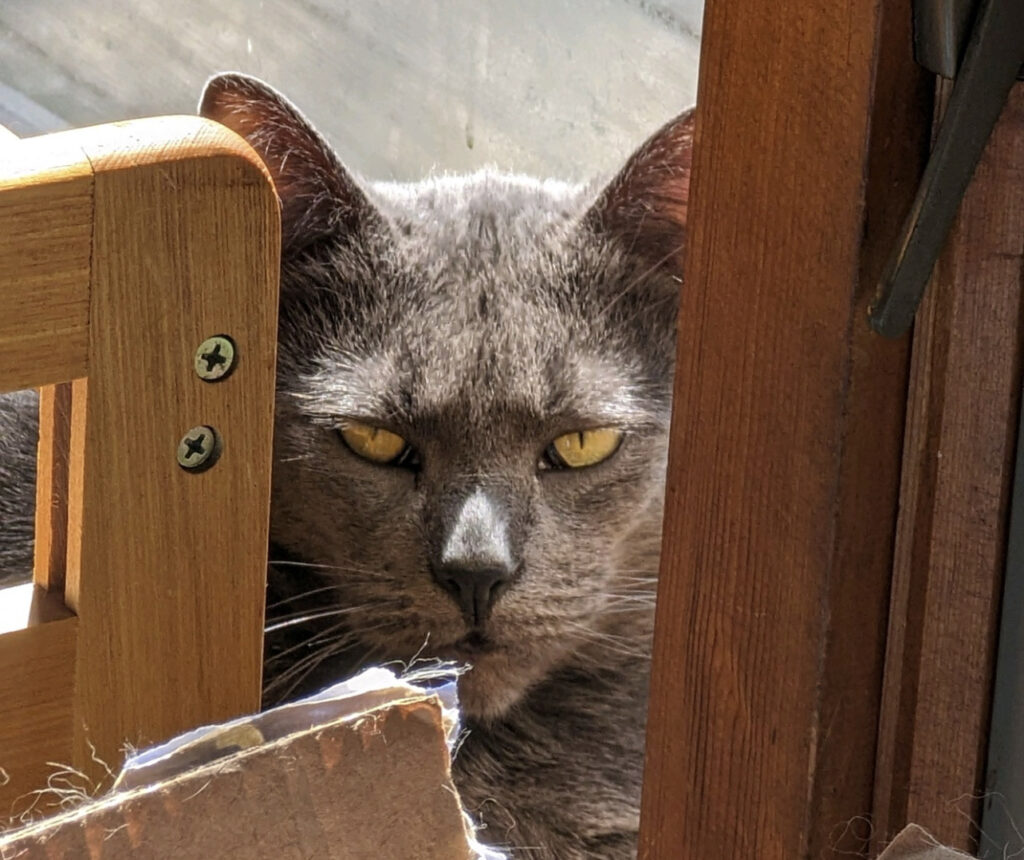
(958, 470)
(784, 466)
(851, 685)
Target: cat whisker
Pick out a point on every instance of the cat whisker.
(300, 665)
(287, 562)
(340, 630)
(298, 671)
(332, 643)
(313, 639)
(302, 595)
(302, 670)
(609, 641)
(627, 610)
(636, 590)
(331, 568)
(296, 458)
(622, 599)
(629, 653)
(604, 634)
(304, 617)
(640, 278)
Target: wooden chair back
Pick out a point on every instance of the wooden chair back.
(122, 249)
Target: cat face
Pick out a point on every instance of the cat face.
(474, 383)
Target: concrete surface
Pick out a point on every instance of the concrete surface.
(560, 88)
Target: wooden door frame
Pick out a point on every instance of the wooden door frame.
(837, 504)
(958, 467)
(783, 478)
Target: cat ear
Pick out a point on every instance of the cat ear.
(318, 197)
(644, 207)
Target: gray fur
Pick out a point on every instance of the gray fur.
(19, 426)
(479, 318)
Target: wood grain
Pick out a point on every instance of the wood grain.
(958, 470)
(166, 569)
(854, 651)
(45, 242)
(51, 525)
(37, 665)
(783, 470)
(128, 245)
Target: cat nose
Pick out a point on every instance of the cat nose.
(476, 562)
(475, 590)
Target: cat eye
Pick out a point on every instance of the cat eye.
(582, 448)
(377, 444)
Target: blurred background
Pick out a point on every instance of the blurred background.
(563, 88)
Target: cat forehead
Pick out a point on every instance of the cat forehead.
(481, 301)
(513, 198)
(381, 386)
(491, 258)
(486, 218)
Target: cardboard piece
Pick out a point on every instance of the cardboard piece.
(916, 843)
(374, 781)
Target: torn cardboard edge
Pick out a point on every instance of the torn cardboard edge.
(370, 689)
(361, 770)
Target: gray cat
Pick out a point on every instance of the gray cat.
(474, 387)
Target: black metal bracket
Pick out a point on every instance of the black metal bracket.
(992, 60)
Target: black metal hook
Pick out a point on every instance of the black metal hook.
(992, 61)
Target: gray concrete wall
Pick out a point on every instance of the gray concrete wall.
(560, 88)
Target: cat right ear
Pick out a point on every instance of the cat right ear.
(318, 197)
(644, 206)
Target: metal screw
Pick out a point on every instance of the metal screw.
(215, 358)
(199, 448)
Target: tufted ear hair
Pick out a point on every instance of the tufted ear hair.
(318, 196)
(644, 206)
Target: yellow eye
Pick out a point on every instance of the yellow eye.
(376, 444)
(584, 447)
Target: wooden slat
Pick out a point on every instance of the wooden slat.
(45, 242)
(37, 665)
(51, 512)
(854, 650)
(958, 470)
(783, 471)
(166, 568)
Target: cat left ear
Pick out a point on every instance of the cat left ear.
(318, 196)
(644, 207)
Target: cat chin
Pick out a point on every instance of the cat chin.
(494, 684)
